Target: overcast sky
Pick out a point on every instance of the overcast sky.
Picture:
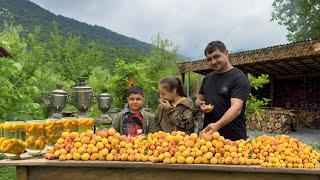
(241, 24)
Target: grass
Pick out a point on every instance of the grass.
(7, 173)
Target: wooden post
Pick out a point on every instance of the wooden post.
(22, 172)
(304, 91)
(271, 91)
(188, 88)
(182, 78)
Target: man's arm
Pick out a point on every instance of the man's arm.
(232, 113)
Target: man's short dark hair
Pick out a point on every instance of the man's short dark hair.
(135, 90)
(213, 46)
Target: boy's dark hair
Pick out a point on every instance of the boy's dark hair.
(135, 90)
(213, 46)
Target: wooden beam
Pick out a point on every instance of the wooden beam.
(267, 71)
(299, 61)
(250, 70)
(277, 68)
(313, 74)
(314, 60)
(292, 66)
(194, 173)
(289, 70)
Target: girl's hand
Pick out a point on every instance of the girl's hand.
(165, 104)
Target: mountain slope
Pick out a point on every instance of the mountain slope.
(28, 15)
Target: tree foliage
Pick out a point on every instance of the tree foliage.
(163, 60)
(18, 84)
(300, 17)
(120, 81)
(39, 65)
(254, 105)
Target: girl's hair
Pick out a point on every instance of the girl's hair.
(170, 83)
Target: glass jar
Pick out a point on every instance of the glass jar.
(53, 129)
(1, 130)
(35, 137)
(12, 143)
(85, 124)
(70, 124)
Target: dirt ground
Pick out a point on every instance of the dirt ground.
(306, 135)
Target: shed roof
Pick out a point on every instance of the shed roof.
(282, 61)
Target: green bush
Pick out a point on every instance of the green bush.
(254, 105)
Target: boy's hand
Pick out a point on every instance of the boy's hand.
(205, 108)
(165, 104)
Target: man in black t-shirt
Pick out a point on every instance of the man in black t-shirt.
(227, 89)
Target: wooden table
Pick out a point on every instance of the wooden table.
(38, 169)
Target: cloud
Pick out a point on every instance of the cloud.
(242, 25)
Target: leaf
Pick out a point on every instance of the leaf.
(18, 66)
(6, 43)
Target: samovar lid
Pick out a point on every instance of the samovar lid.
(58, 90)
(82, 85)
(104, 94)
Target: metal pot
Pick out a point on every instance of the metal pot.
(104, 102)
(58, 99)
(82, 96)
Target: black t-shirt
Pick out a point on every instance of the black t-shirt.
(218, 89)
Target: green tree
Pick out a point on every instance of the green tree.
(98, 81)
(70, 58)
(254, 105)
(16, 86)
(163, 60)
(119, 82)
(37, 67)
(300, 17)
